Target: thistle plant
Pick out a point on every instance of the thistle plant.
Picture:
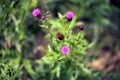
(65, 56)
(9, 71)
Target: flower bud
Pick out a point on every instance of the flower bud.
(60, 36)
(47, 12)
(81, 27)
(43, 17)
(69, 15)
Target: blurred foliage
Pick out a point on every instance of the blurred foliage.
(9, 71)
(114, 76)
(95, 10)
(14, 41)
(17, 26)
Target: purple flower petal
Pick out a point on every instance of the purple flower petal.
(36, 12)
(69, 15)
(65, 50)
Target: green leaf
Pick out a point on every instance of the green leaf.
(79, 23)
(49, 48)
(28, 66)
(60, 16)
(72, 23)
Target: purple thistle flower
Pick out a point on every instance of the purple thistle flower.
(69, 15)
(65, 50)
(36, 12)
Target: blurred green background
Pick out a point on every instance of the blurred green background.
(22, 40)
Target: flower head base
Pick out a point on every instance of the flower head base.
(69, 15)
(65, 50)
(36, 12)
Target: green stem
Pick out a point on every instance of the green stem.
(95, 36)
